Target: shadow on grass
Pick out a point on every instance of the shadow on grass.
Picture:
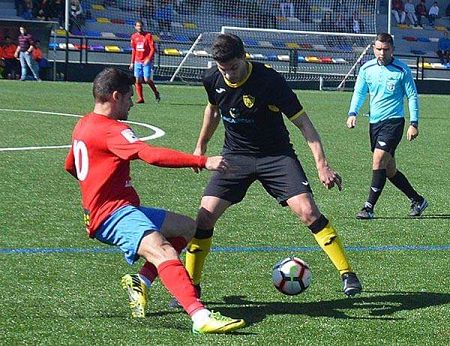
(375, 305)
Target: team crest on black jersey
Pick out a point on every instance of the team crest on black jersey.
(249, 101)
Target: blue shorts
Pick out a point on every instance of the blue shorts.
(127, 226)
(143, 71)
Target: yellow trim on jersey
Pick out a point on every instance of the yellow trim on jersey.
(298, 115)
(238, 84)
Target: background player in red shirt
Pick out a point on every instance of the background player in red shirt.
(142, 54)
(102, 148)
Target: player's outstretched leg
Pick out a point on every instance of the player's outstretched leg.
(328, 239)
(137, 294)
(352, 285)
(218, 324)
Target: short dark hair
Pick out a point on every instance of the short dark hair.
(226, 47)
(139, 21)
(385, 38)
(109, 80)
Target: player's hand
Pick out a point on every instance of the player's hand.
(198, 152)
(217, 163)
(412, 133)
(330, 178)
(351, 121)
(131, 67)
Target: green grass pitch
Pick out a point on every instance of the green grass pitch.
(61, 292)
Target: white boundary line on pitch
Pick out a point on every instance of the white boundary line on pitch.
(158, 132)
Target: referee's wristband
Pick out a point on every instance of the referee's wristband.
(352, 114)
(414, 124)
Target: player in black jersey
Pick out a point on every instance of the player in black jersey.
(251, 99)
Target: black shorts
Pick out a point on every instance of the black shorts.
(282, 176)
(386, 135)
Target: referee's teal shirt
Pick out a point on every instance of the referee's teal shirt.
(387, 86)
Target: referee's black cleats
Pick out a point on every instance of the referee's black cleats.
(417, 207)
(352, 285)
(365, 213)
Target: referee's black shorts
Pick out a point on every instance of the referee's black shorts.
(282, 176)
(386, 135)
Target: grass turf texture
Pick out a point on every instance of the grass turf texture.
(75, 298)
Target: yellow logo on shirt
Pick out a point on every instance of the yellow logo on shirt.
(249, 101)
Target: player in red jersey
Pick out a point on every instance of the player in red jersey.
(142, 54)
(102, 148)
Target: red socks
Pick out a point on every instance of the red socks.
(149, 270)
(139, 91)
(176, 279)
(152, 85)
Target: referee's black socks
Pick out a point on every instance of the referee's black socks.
(378, 182)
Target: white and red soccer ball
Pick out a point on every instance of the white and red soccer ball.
(291, 276)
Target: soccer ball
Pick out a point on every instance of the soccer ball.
(291, 276)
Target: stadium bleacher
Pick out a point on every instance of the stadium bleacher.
(107, 29)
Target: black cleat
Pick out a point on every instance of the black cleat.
(158, 97)
(352, 285)
(417, 207)
(173, 303)
(365, 214)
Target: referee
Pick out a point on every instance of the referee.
(387, 80)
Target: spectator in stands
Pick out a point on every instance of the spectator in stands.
(23, 53)
(147, 12)
(18, 4)
(164, 16)
(421, 12)
(443, 51)
(411, 12)
(57, 10)
(433, 13)
(287, 9)
(398, 10)
(302, 10)
(447, 10)
(260, 14)
(27, 9)
(43, 10)
(76, 15)
(357, 24)
(9, 60)
(327, 25)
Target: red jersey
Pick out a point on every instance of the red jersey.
(100, 159)
(143, 47)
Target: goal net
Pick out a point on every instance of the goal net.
(305, 40)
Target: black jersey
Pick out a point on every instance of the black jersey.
(252, 109)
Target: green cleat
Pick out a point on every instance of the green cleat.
(137, 294)
(218, 324)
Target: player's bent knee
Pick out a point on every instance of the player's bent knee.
(159, 254)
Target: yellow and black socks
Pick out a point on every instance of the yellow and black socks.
(196, 252)
(329, 241)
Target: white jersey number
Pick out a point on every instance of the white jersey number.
(81, 159)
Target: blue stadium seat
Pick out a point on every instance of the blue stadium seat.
(181, 38)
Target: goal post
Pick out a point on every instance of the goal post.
(307, 55)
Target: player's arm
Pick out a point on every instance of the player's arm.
(327, 176)
(133, 54)
(69, 165)
(413, 104)
(126, 145)
(151, 53)
(211, 119)
(358, 98)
